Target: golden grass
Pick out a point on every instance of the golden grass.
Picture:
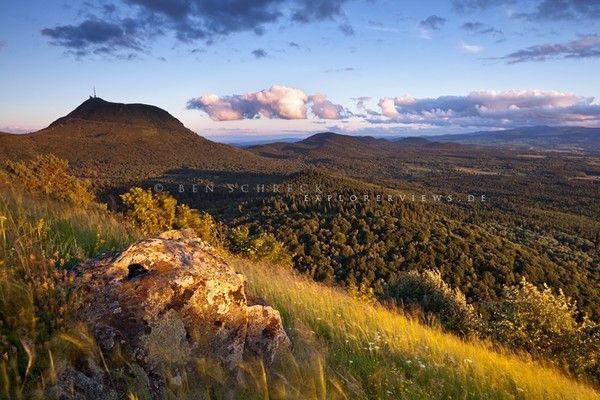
(39, 240)
(373, 352)
(343, 348)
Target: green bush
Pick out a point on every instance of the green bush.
(546, 325)
(427, 294)
(154, 213)
(49, 175)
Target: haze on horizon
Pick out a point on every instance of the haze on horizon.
(294, 67)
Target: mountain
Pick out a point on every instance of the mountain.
(327, 145)
(245, 141)
(565, 138)
(124, 142)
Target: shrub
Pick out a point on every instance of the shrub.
(202, 223)
(263, 247)
(49, 175)
(546, 325)
(428, 293)
(363, 292)
(154, 213)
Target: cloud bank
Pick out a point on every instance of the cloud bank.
(493, 109)
(478, 109)
(277, 102)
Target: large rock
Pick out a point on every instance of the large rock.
(170, 300)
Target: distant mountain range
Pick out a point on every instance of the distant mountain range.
(548, 138)
(325, 146)
(532, 138)
(125, 142)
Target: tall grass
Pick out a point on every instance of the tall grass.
(39, 240)
(364, 351)
(342, 348)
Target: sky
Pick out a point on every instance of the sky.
(231, 69)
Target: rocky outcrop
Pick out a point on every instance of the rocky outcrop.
(167, 301)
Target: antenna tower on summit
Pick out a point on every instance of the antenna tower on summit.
(95, 92)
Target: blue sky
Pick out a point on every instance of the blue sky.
(293, 67)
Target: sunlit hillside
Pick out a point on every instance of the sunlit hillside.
(342, 347)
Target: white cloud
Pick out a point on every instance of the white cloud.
(277, 102)
(388, 107)
(493, 109)
(325, 109)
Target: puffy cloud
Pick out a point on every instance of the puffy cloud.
(188, 20)
(277, 102)
(388, 107)
(325, 109)
(587, 46)
(493, 109)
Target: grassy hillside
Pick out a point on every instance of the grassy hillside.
(373, 352)
(343, 348)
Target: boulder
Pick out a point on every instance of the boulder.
(170, 300)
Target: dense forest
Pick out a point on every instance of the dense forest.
(372, 242)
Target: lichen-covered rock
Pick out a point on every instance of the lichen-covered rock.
(167, 301)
